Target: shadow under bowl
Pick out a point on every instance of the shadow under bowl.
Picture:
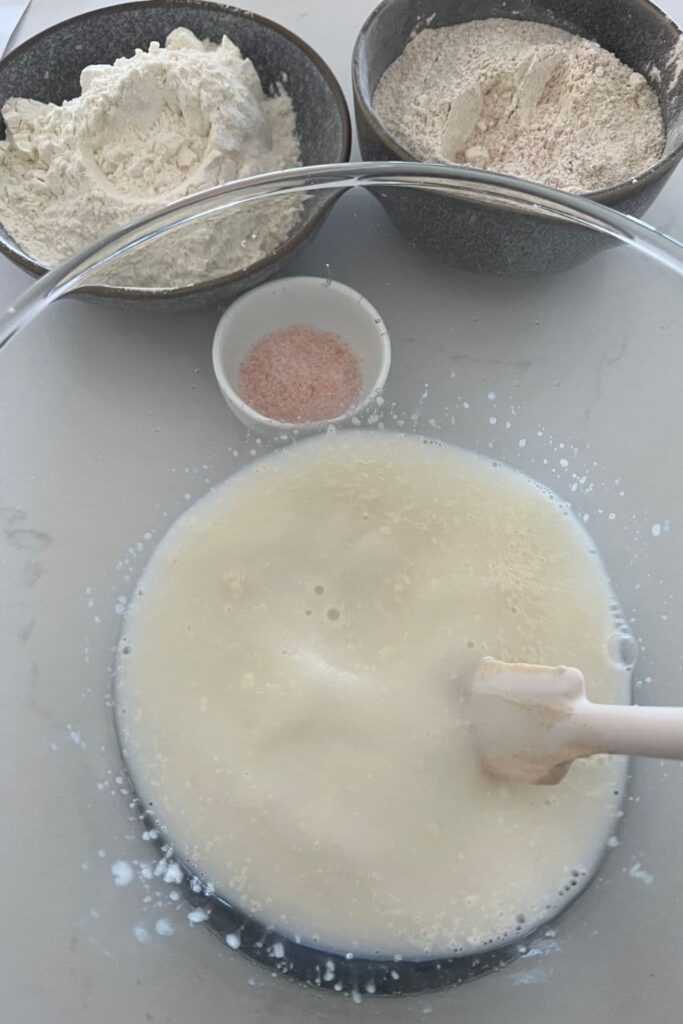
(48, 67)
(500, 241)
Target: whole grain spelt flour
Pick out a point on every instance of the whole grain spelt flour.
(523, 98)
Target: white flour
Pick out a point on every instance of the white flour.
(146, 131)
(525, 99)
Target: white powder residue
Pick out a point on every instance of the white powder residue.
(173, 875)
(164, 927)
(675, 63)
(75, 737)
(122, 872)
(638, 872)
(141, 933)
(144, 132)
(522, 98)
(198, 915)
(233, 940)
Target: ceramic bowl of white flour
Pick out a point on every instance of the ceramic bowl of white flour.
(582, 96)
(124, 110)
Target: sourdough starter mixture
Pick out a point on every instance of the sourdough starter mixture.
(290, 694)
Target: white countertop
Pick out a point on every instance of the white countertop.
(93, 402)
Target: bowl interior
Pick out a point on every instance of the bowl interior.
(48, 68)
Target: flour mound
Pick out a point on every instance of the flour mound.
(525, 99)
(146, 131)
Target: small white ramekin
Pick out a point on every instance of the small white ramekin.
(320, 302)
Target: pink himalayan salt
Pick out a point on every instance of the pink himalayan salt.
(300, 374)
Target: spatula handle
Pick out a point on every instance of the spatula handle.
(618, 729)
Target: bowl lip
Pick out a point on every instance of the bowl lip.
(289, 246)
(612, 194)
(242, 409)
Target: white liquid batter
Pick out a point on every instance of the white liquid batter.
(291, 694)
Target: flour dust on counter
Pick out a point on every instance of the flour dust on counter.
(291, 694)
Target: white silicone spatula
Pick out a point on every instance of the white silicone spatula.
(530, 722)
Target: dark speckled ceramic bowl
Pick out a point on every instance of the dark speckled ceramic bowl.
(497, 240)
(48, 66)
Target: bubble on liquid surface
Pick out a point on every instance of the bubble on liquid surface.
(622, 648)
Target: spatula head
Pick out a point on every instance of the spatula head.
(519, 715)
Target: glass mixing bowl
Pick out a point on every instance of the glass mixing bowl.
(112, 424)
